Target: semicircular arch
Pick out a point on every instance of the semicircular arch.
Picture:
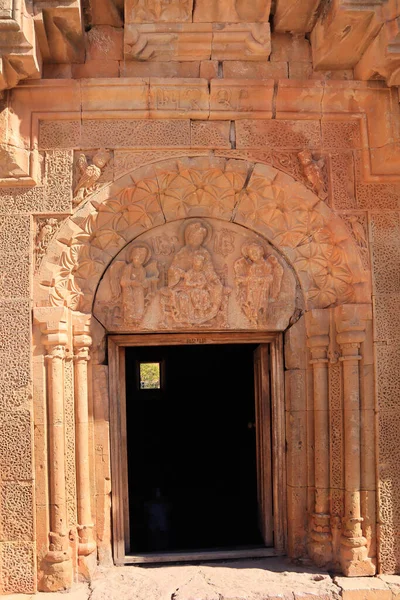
(311, 237)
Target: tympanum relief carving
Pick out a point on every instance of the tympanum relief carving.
(195, 274)
(133, 284)
(258, 281)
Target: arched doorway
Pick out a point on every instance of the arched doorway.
(215, 292)
(325, 306)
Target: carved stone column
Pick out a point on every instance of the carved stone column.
(320, 545)
(57, 565)
(350, 325)
(82, 342)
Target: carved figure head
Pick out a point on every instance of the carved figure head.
(101, 158)
(138, 255)
(254, 251)
(195, 234)
(305, 157)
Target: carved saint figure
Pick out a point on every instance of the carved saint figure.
(258, 282)
(313, 171)
(89, 174)
(134, 283)
(195, 293)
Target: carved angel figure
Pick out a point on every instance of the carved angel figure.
(258, 282)
(90, 174)
(313, 170)
(134, 284)
(358, 231)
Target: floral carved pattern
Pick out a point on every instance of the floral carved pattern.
(212, 192)
(284, 211)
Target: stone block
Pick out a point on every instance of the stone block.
(287, 48)
(210, 134)
(179, 96)
(297, 17)
(15, 446)
(230, 96)
(296, 439)
(137, 133)
(295, 387)
(17, 562)
(135, 68)
(248, 41)
(97, 94)
(295, 343)
(363, 588)
(342, 34)
(174, 11)
(300, 70)
(243, 69)
(297, 521)
(300, 97)
(231, 11)
(104, 43)
(342, 179)
(16, 511)
(209, 69)
(279, 134)
(96, 69)
(163, 43)
(61, 71)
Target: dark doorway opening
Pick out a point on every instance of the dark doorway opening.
(192, 449)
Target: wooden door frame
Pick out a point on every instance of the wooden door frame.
(118, 446)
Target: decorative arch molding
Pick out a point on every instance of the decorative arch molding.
(314, 240)
(307, 238)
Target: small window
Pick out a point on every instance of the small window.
(150, 376)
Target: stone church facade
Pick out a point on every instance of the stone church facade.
(196, 173)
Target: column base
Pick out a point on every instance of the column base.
(320, 540)
(57, 572)
(354, 558)
(87, 565)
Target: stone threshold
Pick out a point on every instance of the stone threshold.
(257, 579)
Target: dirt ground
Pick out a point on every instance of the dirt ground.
(258, 579)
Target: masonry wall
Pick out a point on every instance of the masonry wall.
(376, 206)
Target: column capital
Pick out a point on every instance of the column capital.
(352, 317)
(317, 322)
(81, 335)
(53, 324)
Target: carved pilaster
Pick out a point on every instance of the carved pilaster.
(57, 562)
(350, 324)
(320, 544)
(82, 342)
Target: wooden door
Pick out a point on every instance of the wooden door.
(263, 442)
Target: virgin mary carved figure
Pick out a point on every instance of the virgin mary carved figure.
(258, 282)
(194, 294)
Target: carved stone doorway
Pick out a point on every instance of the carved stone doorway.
(269, 533)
